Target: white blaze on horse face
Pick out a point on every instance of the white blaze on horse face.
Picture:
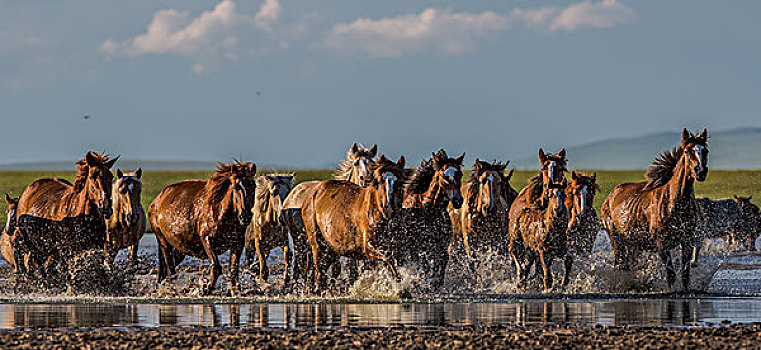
(699, 153)
(490, 178)
(390, 179)
(553, 164)
(450, 173)
(243, 188)
(583, 199)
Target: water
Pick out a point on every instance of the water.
(652, 312)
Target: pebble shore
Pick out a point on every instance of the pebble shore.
(512, 337)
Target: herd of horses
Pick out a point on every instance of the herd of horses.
(376, 212)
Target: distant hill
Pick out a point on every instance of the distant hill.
(730, 149)
(124, 164)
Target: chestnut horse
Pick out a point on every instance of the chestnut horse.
(57, 219)
(661, 213)
(553, 168)
(266, 230)
(541, 232)
(126, 226)
(204, 219)
(342, 218)
(6, 242)
(583, 223)
(356, 168)
(481, 223)
(422, 232)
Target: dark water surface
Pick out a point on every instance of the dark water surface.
(668, 312)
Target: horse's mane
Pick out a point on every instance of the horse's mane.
(534, 188)
(83, 169)
(420, 178)
(475, 183)
(220, 181)
(661, 170)
(343, 172)
(587, 180)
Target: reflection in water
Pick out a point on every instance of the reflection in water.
(618, 312)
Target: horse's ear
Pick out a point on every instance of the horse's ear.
(111, 162)
(736, 197)
(461, 158)
(594, 176)
(477, 165)
(373, 151)
(252, 169)
(704, 134)
(119, 173)
(435, 158)
(510, 174)
(90, 159)
(685, 134)
(562, 153)
(8, 199)
(354, 149)
(139, 173)
(400, 162)
(382, 158)
(573, 175)
(542, 156)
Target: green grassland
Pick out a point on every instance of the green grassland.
(720, 183)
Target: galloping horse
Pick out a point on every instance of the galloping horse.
(541, 232)
(356, 168)
(342, 218)
(553, 168)
(583, 223)
(749, 226)
(204, 219)
(422, 232)
(661, 213)
(266, 230)
(6, 244)
(126, 226)
(482, 221)
(56, 219)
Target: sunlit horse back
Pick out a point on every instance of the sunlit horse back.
(203, 219)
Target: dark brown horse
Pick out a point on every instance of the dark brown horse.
(583, 223)
(421, 234)
(731, 219)
(6, 242)
(266, 230)
(540, 232)
(342, 218)
(748, 227)
(661, 213)
(481, 223)
(126, 226)
(57, 219)
(204, 219)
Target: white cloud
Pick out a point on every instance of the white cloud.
(453, 33)
(604, 14)
(222, 32)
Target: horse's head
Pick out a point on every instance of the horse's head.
(242, 187)
(358, 166)
(486, 185)
(95, 179)
(126, 196)
(557, 196)
(389, 181)
(10, 212)
(696, 153)
(580, 195)
(272, 190)
(449, 177)
(553, 167)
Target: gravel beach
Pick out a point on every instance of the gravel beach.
(721, 337)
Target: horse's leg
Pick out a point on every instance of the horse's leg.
(376, 255)
(568, 264)
(515, 255)
(696, 252)
(235, 254)
(264, 272)
(686, 252)
(250, 253)
(133, 254)
(165, 258)
(469, 254)
(665, 256)
(288, 256)
(546, 259)
(214, 266)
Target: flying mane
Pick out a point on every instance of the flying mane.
(475, 182)
(420, 178)
(661, 170)
(220, 181)
(83, 169)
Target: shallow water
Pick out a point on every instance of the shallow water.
(653, 312)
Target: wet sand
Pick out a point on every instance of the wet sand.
(719, 337)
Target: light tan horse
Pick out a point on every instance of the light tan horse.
(204, 219)
(659, 214)
(481, 223)
(127, 225)
(266, 230)
(356, 168)
(342, 218)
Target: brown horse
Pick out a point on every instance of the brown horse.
(342, 218)
(126, 226)
(583, 223)
(356, 168)
(553, 168)
(204, 219)
(57, 219)
(748, 227)
(266, 230)
(422, 232)
(6, 242)
(541, 232)
(481, 223)
(732, 219)
(659, 214)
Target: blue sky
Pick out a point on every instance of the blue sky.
(296, 82)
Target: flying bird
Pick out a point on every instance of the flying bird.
(87, 117)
